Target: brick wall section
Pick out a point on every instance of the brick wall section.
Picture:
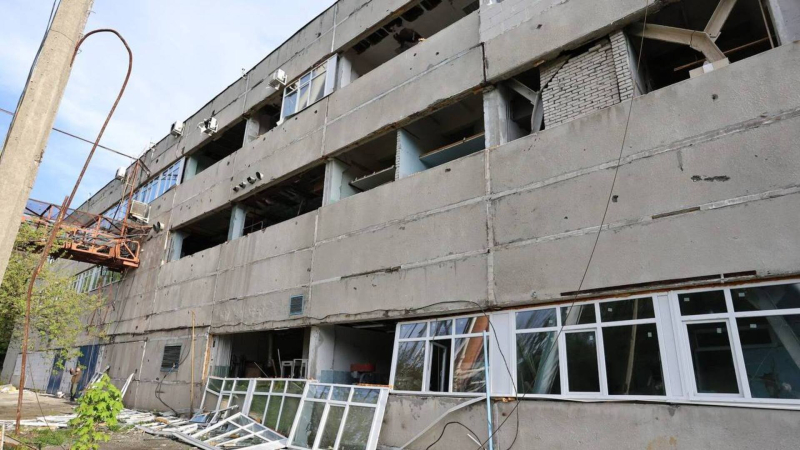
(593, 80)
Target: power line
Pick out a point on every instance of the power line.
(10, 113)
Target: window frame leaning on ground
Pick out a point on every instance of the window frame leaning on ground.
(665, 323)
(345, 398)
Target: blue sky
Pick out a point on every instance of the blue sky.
(185, 52)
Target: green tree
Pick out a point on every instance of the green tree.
(56, 308)
(99, 406)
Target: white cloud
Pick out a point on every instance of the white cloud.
(185, 52)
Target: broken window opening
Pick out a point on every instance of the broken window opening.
(510, 107)
(354, 353)
(400, 33)
(743, 34)
(200, 235)
(365, 167)
(217, 148)
(443, 136)
(286, 200)
(261, 354)
(263, 119)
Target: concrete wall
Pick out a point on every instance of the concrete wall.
(598, 426)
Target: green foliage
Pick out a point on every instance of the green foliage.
(56, 308)
(99, 406)
(45, 437)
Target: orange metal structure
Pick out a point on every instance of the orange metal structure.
(90, 237)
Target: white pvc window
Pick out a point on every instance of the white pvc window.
(149, 191)
(741, 343)
(598, 349)
(443, 355)
(335, 416)
(94, 278)
(309, 88)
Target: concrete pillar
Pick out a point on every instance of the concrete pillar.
(236, 227)
(176, 245)
(337, 182)
(320, 350)
(497, 116)
(407, 154)
(27, 137)
(786, 19)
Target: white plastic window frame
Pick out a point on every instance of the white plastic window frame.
(94, 278)
(729, 317)
(429, 339)
(295, 87)
(151, 190)
(377, 418)
(597, 327)
(230, 387)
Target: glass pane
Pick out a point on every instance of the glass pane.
(263, 385)
(633, 360)
(238, 400)
(356, 428)
(771, 349)
(765, 298)
(637, 308)
(318, 391)
(278, 386)
(410, 361)
(317, 89)
(288, 413)
(320, 69)
(412, 330)
(582, 362)
(578, 315)
(331, 430)
(273, 411)
(210, 402)
(537, 363)
(366, 395)
(289, 104)
(340, 394)
(468, 365)
(257, 407)
(215, 384)
(308, 424)
(442, 328)
(227, 385)
(303, 100)
(295, 387)
(472, 325)
(712, 358)
(242, 385)
(709, 302)
(304, 79)
(540, 318)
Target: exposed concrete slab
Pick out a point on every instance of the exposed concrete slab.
(412, 242)
(264, 311)
(279, 273)
(355, 17)
(441, 186)
(552, 26)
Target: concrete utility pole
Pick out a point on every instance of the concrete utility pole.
(28, 135)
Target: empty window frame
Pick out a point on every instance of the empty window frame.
(741, 343)
(310, 88)
(272, 402)
(237, 431)
(339, 417)
(609, 348)
(443, 355)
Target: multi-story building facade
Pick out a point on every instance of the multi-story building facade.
(613, 205)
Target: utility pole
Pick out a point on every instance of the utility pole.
(27, 138)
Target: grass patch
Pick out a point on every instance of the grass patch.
(44, 437)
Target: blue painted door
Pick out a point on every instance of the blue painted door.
(55, 376)
(87, 360)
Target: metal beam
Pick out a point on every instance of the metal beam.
(697, 40)
(718, 18)
(522, 90)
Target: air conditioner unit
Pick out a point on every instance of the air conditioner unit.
(277, 79)
(208, 126)
(176, 129)
(140, 211)
(120, 173)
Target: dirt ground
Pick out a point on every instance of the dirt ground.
(49, 405)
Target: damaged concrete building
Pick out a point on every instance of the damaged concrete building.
(592, 204)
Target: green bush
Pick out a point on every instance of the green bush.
(99, 406)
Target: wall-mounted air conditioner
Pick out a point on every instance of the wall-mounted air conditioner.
(176, 129)
(277, 79)
(140, 211)
(208, 126)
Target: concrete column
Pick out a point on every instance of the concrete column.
(320, 349)
(27, 138)
(337, 182)
(236, 227)
(785, 19)
(497, 116)
(176, 245)
(407, 155)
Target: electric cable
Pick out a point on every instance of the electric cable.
(53, 11)
(441, 435)
(174, 369)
